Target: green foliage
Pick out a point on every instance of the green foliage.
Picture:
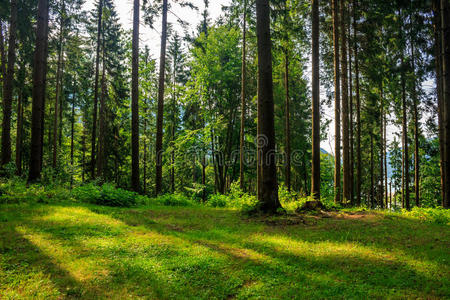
(15, 190)
(173, 200)
(235, 199)
(431, 215)
(107, 195)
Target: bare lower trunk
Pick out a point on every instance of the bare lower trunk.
(381, 195)
(243, 100)
(135, 102)
(344, 89)
(97, 72)
(19, 131)
(315, 171)
(405, 139)
(8, 86)
(287, 122)
(268, 194)
(160, 114)
(358, 113)
(337, 105)
(39, 80)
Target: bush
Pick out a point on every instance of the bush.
(107, 195)
(174, 200)
(235, 199)
(431, 215)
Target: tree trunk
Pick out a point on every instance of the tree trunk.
(8, 86)
(350, 118)
(344, 89)
(381, 195)
(315, 171)
(372, 198)
(405, 138)
(385, 160)
(243, 96)
(416, 132)
(358, 113)
(439, 86)
(145, 145)
(337, 105)
(19, 132)
(102, 122)
(160, 116)
(2, 54)
(287, 122)
(135, 102)
(39, 80)
(58, 87)
(83, 151)
(268, 195)
(97, 71)
(72, 134)
(445, 20)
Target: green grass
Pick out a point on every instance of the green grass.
(91, 252)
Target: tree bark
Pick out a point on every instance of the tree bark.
(287, 122)
(160, 115)
(445, 20)
(72, 135)
(39, 81)
(2, 54)
(344, 89)
(8, 86)
(243, 100)
(405, 138)
(381, 195)
(350, 118)
(416, 131)
(315, 171)
(102, 122)
(19, 132)
(439, 86)
(135, 102)
(337, 104)
(268, 195)
(358, 112)
(372, 198)
(58, 87)
(97, 71)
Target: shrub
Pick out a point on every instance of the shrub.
(107, 195)
(174, 200)
(431, 215)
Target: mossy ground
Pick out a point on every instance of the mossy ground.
(50, 251)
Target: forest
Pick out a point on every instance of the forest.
(274, 149)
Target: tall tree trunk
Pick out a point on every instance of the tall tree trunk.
(416, 131)
(83, 151)
(145, 145)
(439, 85)
(72, 134)
(19, 131)
(172, 129)
(385, 159)
(39, 80)
(405, 137)
(350, 118)
(372, 198)
(8, 86)
(381, 195)
(287, 127)
(445, 20)
(102, 122)
(337, 104)
(160, 115)
(344, 89)
(358, 112)
(315, 171)
(268, 195)
(135, 102)
(243, 96)
(58, 87)
(97, 71)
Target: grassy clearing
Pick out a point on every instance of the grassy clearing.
(89, 252)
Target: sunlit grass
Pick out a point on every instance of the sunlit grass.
(91, 252)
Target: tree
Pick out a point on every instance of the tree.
(135, 101)
(315, 172)
(445, 43)
(97, 71)
(267, 181)
(39, 80)
(345, 105)
(337, 105)
(243, 98)
(8, 86)
(160, 112)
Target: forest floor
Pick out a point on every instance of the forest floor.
(50, 251)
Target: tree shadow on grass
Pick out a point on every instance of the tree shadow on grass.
(349, 274)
